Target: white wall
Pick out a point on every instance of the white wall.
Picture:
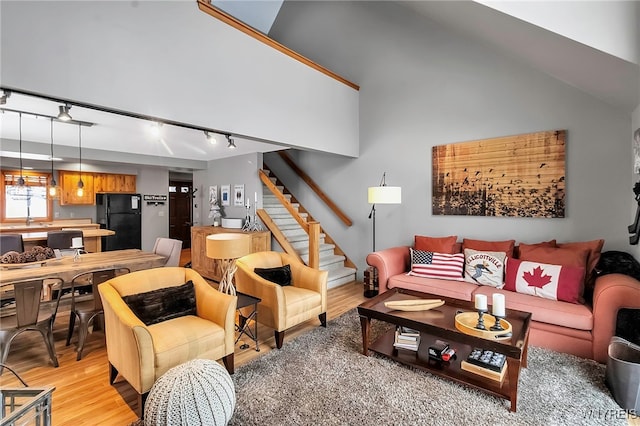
(168, 59)
(421, 86)
(242, 169)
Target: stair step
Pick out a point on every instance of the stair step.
(303, 242)
(338, 277)
(284, 221)
(277, 210)
(294, 232)
(332, 262)
(323, 247)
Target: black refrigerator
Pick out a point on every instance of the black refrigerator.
(120, 213)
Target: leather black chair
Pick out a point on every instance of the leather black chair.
(11, 242)
(62, 239)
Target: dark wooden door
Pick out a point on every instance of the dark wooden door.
(180, 202)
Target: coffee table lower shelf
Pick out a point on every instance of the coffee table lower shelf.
(451, 370)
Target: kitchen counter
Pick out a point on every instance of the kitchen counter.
(92, 239)
(19, 228)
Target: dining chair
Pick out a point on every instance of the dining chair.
(86, 303)
(36, 306)
(168, 248)
(62, 239)
(11, 242)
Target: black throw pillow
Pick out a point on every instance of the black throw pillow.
(163, 304)
(280, 275)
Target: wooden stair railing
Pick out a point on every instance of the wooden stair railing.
(314, 186)
(206, 7)
(305, 224)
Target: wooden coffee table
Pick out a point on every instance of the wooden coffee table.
(439, 324)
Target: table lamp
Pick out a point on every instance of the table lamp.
(382, 194)
(227, 248)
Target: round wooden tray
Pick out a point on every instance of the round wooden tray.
(466, 323)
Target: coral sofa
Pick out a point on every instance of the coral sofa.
(582, 329)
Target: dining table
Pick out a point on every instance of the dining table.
(67, 267)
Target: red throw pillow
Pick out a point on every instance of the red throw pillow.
(436, 244)
(554, 255)
(481, 245)
(594, 247)
(548, 281)
(516, 250)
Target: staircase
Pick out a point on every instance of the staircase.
(330, 258)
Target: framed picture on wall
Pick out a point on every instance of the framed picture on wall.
(238, 195)
(224, 194)
(636, 151)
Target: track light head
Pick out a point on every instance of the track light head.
(232, 144)
(211, 137)
(4, 95)
(64, 112)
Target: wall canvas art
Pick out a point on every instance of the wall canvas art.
(636, 151)
(224, 194)
(516, 176)
(238, 195)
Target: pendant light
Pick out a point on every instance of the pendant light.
(52, 185)
(21, 178)
(80, 192)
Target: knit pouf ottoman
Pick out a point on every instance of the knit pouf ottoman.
(198, 392)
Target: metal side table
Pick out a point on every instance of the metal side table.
(244, 326)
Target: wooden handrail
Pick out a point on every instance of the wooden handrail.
(277, 234)
(314, 186)
(209, 9)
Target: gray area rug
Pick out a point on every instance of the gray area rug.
(321, 378)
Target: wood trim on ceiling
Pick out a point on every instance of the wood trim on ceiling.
(213, 11)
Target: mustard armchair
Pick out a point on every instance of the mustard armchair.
(142, 353)
(282, 307)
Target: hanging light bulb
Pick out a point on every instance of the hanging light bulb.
(52, 184)
(21, 178)
(80, 191)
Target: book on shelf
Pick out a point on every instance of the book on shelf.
(406, 338)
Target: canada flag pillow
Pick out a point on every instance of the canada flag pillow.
(553, 282)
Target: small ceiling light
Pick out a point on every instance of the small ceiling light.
(64, 112)
(4, 95)
(211, 137)
(232, 144)
(53, 184)
(80, 192)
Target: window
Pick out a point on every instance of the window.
(29, 201)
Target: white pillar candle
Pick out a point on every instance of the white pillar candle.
(481, 302)
(498, 305)
(255, 196)
(76, 242)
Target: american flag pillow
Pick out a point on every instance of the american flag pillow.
(436, 265)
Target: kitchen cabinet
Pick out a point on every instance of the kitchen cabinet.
(107, 182)
(210, 268)
(93, 183)
(69, 188)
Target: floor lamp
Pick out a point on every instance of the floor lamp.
(382, 194)
(227, 248)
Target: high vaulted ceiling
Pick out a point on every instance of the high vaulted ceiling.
(602, 75)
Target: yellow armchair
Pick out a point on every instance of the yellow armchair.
(141, 353)
(282, 307)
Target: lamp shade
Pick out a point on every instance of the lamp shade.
(228, 246)
(385, 195)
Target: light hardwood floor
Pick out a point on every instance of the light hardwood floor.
(83, 395)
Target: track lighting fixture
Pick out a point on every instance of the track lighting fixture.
(4, 95)
(80, 191)
(64, 112)
(232, 144)
(52, 184)
(211, 137)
